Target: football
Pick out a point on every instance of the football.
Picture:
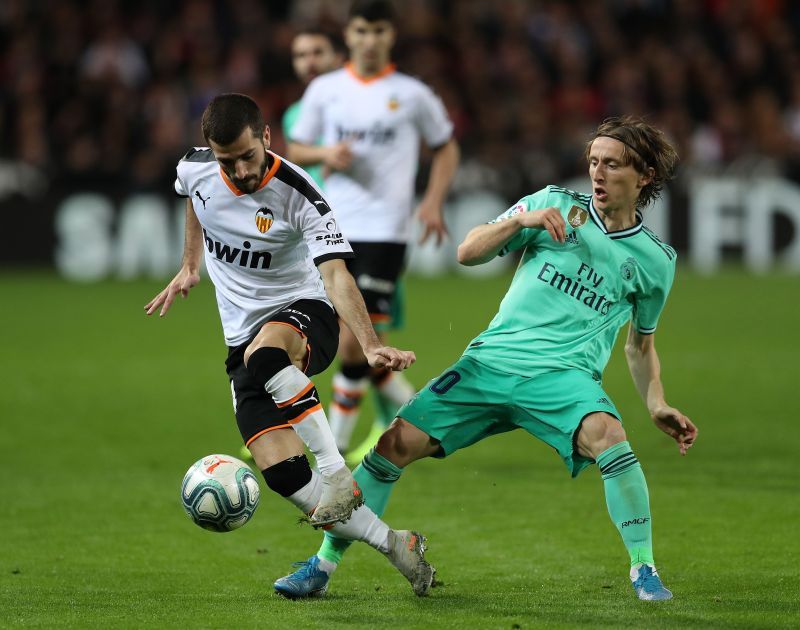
(219, 493)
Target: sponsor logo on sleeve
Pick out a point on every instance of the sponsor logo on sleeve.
(333, 236)
(628, 268)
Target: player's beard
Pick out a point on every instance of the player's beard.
(249, 184)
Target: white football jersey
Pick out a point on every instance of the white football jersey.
(261, 249)
(383, 119)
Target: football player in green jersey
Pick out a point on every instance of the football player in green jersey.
(315, 52)
(588, 267)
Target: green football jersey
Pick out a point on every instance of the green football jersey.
(288, 121)
(567, 301)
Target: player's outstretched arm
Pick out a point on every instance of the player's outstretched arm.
(443, 169)
(346, 298)
(484, 242)
(189, 273)
(645, 367)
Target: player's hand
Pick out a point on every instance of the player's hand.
(388, 357)
(430, 215)
(183, 281)
(338, 157)
(549, 219)
(677, 426)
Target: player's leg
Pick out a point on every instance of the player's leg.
(391, 390)
(279, 455)
(375, 269)
(570, 411)
(275, 359)
(602, 438)
(455, 410)
(400, 445)
(350, 384)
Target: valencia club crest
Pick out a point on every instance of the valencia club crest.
(264, 220)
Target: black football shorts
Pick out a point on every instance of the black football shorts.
(256, 411)
(376, 269)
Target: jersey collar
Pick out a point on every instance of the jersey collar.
(598, 221)
(387, 70)
(276, 163)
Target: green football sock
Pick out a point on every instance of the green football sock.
(375, 476)
(627, 500)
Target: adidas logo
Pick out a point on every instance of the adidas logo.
(604, 400)
(572, 238)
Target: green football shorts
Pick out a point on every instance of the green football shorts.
(471, 401)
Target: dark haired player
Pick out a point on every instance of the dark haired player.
(274, 251)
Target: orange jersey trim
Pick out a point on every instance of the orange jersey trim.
(267, 176)
(260, 433)
(305, 413)
(387, 70)
(296, 397)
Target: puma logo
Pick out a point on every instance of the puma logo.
(210, 469)
(302, 326)
(302, 400)
(200, 197)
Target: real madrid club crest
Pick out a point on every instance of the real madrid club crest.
(264, 220)
(577, 216)
(393, 103)
(628, 268)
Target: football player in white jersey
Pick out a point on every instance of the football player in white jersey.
(314, 52)
(275, 254)
(371, 119)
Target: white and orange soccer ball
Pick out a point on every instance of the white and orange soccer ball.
(220, 493)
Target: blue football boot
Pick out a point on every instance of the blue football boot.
(647, 584)
(308, 581)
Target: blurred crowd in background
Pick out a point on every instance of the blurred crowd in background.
(110, 93)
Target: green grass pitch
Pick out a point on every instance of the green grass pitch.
(103, 410)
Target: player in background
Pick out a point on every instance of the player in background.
(275, 255)
(313, 53)
(588, 267)
(371, 119)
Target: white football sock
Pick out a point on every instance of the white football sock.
(307, 497)
(291, 388)
(343, 411)
(364, 525)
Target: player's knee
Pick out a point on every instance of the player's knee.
(390, 443)
(288, 476)
(273, 346)
(599, 432)
(281, 338)
(403, 443)
(264, 362)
